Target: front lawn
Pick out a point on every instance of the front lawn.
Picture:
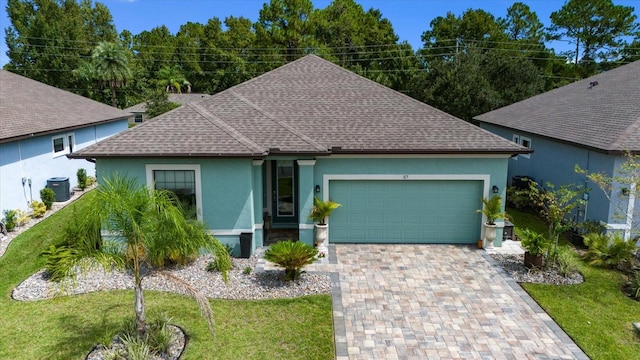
(595, 314)
(67, 327)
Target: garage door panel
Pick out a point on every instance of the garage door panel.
(393, 211)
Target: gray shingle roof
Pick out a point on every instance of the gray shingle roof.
(605, 116)
(176, 98)
(307, 106)
(29, 107)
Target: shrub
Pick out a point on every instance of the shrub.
(91, 180)
(247, 270)
(566, 260)
(10, 219)
(609, 251)
(22, 217)
(37, 208)
(81, 174)
(519, 199)
(153, 344)
(634, 286)
(292, 256)
(531, 241)
(47, 196)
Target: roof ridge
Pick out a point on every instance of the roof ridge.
(226, 127)
(274, 119)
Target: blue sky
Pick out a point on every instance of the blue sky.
(410, 18)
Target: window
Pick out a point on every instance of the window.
(181, 180)
(63, 144)
(524, 141)
(138, 118)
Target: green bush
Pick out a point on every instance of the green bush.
(37, 208)
(47, 196)
(292, 256)
(22, 217)
(81, 174)
(531, 241)
(566, 260)
(634, 286)
(609, 251)
(221, 261)
(156, 341)
(10, 219)
(519, 199)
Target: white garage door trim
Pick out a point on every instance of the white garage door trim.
(485, 178)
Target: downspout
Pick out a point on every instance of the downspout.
(630, 209)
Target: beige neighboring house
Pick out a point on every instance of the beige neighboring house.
(139, 111)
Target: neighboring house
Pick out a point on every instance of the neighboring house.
(39, 125)
(139, 110)
(252, 158)
(591, 123)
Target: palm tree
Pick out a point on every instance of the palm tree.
(149, 230)
(172, 80)
(111, 67)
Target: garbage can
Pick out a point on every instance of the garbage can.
(61, 187)
(245, 244)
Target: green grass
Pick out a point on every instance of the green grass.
(67, 327)
(595, 314)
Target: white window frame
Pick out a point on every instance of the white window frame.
(520, 140)
(149, 168)
(68, 143)
(524, 139)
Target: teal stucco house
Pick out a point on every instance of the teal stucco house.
(251, 159)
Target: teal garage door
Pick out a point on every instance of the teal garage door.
(411, 211)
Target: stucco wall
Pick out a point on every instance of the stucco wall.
(554, 162)
(34, 159)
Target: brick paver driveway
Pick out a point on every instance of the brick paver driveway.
(435, 302)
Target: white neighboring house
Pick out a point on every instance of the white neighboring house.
(139, 111)
(39, 126)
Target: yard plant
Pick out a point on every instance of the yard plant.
(292, 256)
(81, 174)
(48, 196)
(321, 210)
(492, 209)
(67, 327)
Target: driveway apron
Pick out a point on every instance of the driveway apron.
(435, 302)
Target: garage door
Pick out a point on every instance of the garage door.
(415, 211)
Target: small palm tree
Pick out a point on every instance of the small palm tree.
(110, 67)
(492, 209)
(292, 256)
(172, 80)
(149, 231)
(322, 209)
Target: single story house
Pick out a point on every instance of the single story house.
(591, 123)
(139, 111)
(40, 125)
(253, 157)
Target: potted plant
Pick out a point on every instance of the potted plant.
(534, 245)
(492, 211)
(319, 213)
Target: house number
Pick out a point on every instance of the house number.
(405, 177)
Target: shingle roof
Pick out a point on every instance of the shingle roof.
(605, 116)
(30, 108)
(176, 98)
(307, 106)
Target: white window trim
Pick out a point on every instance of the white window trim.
(519, 139)
(149, 168)
(65, 141)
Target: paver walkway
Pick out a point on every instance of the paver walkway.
(435, 302)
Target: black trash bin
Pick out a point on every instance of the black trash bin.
(61, 187)
(245, 244)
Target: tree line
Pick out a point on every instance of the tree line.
(467, 65)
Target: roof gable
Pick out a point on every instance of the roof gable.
(602, 112)
(29, 107)
(307, 106)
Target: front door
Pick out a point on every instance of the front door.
(284, 191)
